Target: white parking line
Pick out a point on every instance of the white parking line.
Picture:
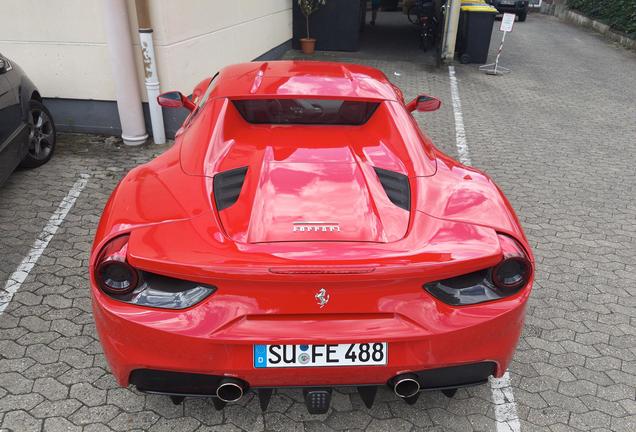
(18, 277)
(505, 406)
(506, 416)
(460, 133)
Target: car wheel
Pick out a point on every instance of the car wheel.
(41, 136)
(522, 16)
(464, 58)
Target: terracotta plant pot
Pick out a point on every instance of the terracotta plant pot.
(308, 45)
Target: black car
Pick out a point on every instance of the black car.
(27, 131)
(518, 7)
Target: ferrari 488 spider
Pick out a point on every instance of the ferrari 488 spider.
(303, 232)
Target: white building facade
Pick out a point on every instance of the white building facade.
(62, 46)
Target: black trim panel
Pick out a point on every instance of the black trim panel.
(174, 383)
(227, 187)
(455, 376)
(396, 186)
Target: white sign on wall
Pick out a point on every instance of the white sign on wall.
(507, 22)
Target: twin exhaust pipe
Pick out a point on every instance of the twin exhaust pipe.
(233, 389)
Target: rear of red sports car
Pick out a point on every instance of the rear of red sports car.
(303, 232)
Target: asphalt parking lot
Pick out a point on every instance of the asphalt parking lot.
(558, 135)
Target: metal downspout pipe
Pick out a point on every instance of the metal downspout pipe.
(122, 61)
(151, 78)
(450, 29)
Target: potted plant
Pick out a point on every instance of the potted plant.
(308, 7)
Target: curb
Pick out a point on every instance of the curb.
(581, 20)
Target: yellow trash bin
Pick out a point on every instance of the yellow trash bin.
(475, 28)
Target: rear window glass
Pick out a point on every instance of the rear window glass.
(305, 111)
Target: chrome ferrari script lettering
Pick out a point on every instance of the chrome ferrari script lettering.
(315, 227)
(322, 297)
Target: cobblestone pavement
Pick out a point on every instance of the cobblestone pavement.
(558, 135)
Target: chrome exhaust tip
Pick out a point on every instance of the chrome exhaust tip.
(406, 386)
(231, 390)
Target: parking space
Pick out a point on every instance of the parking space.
(557, 135)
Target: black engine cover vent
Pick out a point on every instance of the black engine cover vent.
(227, 187)
(396, 186)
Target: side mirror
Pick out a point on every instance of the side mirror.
(424, 103)
(175, 99)
(3, 66)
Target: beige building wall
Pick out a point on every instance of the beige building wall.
(195, 38)
(61, 44)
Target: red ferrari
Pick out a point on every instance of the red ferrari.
(303, 232)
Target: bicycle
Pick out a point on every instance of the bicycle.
(422, 14)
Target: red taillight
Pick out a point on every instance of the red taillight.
(514, 271)
(113, 274)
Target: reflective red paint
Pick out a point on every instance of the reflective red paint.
(267, 273)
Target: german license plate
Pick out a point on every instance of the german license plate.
(359, 354)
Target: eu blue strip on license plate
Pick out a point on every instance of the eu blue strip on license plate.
(361, 354)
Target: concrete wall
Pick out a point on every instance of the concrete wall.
(62, 46)
(559, 9)
(193, 42)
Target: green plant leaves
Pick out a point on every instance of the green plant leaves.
(307, 7)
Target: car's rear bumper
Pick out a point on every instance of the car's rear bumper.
(434, 336)
(512, 8)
